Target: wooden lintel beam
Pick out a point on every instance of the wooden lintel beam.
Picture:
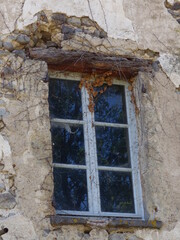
(87, 62)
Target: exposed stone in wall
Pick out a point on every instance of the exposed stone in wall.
(159, 111)
(27, 177)
(26, 184)
(7, 201)
(174, 9)
(26, 173)
(19, 227)
(69, 33)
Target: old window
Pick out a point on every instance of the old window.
(94, 154)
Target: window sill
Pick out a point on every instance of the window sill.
(104, 222)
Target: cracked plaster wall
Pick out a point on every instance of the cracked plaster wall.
(148, 23)
(26, 174)
(144, 29)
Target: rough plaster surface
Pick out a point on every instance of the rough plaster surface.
(117, 25)
(171, 65)
(140, 28)
(24, 97)
(9, 15)
(155, 28)
(148, 23)
(159, 152)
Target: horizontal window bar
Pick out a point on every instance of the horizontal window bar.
(59, 120)
(117, 169)
(100, 214)
(105, 124)
(104, 168)
(61, 165)
(77, 77)
(64, 76)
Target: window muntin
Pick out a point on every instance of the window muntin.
(124, 171)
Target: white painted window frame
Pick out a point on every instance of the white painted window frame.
(91, 166)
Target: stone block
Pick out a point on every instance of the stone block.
(67, 30)
(3, 53)
(8, 46)
(59, 18)
(97, 33)
(2, 111)
(74, 21)
(2, 124)
(87, 22)
(117, 236)
(2, 187)
(51, 44)
(134, 238)
(7, 201)
(23, 39)
(41, 16)
(7, 71)
(98, 234)
(57, 38)
(1, 166)
(176, 6)
(20, 53)
(103, 34)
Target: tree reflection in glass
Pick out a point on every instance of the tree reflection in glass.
(110, 106)
(68, 144)
(65, 99)
(112, 147)
(116, 192)
(70, 189)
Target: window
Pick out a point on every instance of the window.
(94, 154)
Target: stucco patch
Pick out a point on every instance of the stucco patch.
(19, 228)
(171, 66)
(5, 155)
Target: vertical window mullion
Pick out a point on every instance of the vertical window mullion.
(93, 168)
(133, 151)
(87, 149)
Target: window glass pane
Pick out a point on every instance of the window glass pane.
(110, 106)
(112, 147)
(70, 189)
(65, 99)
(68, 144)
(116, 192)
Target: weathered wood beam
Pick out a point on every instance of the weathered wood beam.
(86, 62)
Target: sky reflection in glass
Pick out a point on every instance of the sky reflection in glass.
(68, 144)
(110, 106)
(65, 99)
(112, 147)
(70, 189)
(116, 192)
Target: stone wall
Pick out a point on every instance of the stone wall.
(26, 184)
